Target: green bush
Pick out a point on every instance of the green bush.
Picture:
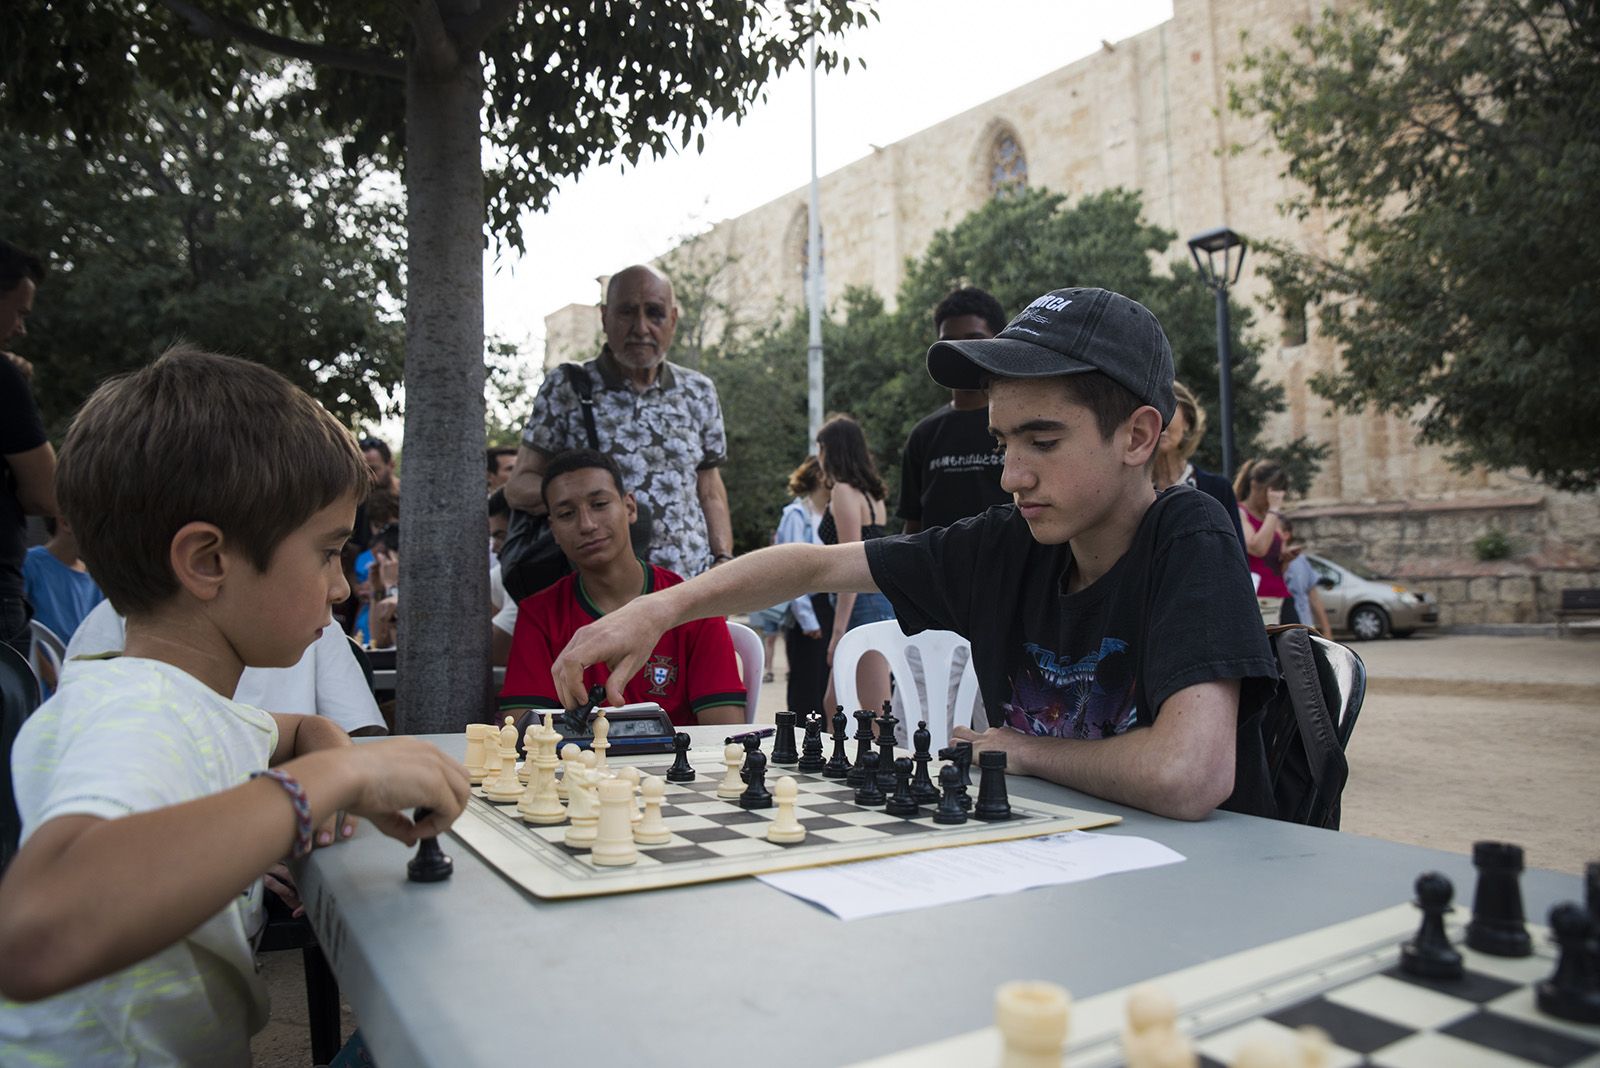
(1492, 545)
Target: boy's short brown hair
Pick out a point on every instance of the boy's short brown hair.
(196, 437)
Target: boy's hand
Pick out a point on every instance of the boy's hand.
(1014, 744)
(279, 880)
(621, 640)
(398, 774)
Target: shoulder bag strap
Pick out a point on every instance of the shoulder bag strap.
(583, 385)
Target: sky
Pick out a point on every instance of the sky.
(924, 60)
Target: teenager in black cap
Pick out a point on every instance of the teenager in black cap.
(1114, 633)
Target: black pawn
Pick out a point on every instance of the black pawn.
(863, 746)
(1498, 926)
(922, 787)
(886, 725)
(752, 744)
(960, 755)
(811, 760)
(680, 770)
(783, 748)
(867, 792)
(838, 765)
(430, 865)
(902, 803)
(951, 806)
(1573, 991)
(993, 803)
(756, 794)
(1429, 954)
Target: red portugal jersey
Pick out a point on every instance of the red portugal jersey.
(691, 669)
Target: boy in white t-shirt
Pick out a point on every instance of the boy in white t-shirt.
(211, 498)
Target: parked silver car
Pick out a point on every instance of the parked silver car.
(1369, 606)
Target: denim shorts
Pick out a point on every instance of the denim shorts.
(869, 608)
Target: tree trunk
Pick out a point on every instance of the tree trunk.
(444, 680)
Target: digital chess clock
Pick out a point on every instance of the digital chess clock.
(636, 728)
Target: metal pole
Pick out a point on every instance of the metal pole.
(814, 265)
(1225, 380)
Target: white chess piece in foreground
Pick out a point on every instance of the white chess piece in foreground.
(652, 829)
(785, 829)
(1032, 1019)
(731, 785)
(613, 844)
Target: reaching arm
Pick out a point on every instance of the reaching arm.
(35, 473)
(174, 867)
(1181, 766)
(624, 638)
(714, 503)
(527, 479)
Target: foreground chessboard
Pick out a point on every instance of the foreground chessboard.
(1344, 979)
(716, 839)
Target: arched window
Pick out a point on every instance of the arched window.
(1008, 166)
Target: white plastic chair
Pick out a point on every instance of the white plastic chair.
(752, 664)
(46, 647)
(937, 650)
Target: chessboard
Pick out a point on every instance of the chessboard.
(1343, 979)
(715, 839)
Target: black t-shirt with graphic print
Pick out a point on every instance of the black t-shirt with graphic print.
(950, 470)
(1175, 611)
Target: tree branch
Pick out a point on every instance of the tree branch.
(472, 30)
(226, 28)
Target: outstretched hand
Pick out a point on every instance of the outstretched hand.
(621, 640)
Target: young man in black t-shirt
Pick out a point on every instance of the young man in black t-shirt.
(1114, 632)
(27, 475)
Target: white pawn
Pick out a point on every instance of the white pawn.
(632, 776)
(569, 763)
(530, 738)
(475, 751)
(1032, 1020)
(613, 844)
(732, 759)
(785, 829)
(652, 829)
(1152, 1024)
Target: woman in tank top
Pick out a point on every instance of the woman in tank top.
(1261, 487)
(856, 512)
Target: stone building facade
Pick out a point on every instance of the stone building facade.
(1150, 113)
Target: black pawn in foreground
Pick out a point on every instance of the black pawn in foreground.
(839, 763)
(811, 760)
(756, 794)
(922, 787)
(993, 803)
(1498, 926)
(1573, 991)
(752, 744)
(867, 791)
(960, 757)
(431, 864)
(863, 747)
(680, 770)
(951, 803)
(1429, 954)
(886, 725)
(783, 748)
(902, 803)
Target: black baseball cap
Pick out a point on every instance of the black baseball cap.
(1068, 332)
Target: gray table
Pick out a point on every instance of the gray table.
(475, 972)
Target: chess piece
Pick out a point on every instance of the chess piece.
(863, 747)
(1498, 926)
(951, 810)
(505, 786)
(600, 742)
(1573, 991)
(901, 803)
(1032, 1020)
(756, 794)
(922, 787)
(577, 719)
(1312, 1047)
(613, 844)
(475, 753)
(569, 760)
(1152, 1021)
(752, 744)
(993, 803)
(539, 802)
(680, 770)
(633, 777)
(786, 829)
(431, 864)
(583, 806)
(1261, 1053)
(529, 740)
(838, 765)
(732, 785)
(886, 724)
(651, 828)
(1429, 954)
(783, 748)
(869, 793)
(811, 760)
(960, 754)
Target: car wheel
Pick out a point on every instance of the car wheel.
(1368, 622)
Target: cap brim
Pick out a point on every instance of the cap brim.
(965, 364)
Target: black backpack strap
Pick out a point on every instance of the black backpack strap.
(583, 385)
(1325, 759)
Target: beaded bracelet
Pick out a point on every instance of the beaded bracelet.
(302, 807)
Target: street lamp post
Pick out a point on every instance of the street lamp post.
(813, 265)
(1213, 242)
